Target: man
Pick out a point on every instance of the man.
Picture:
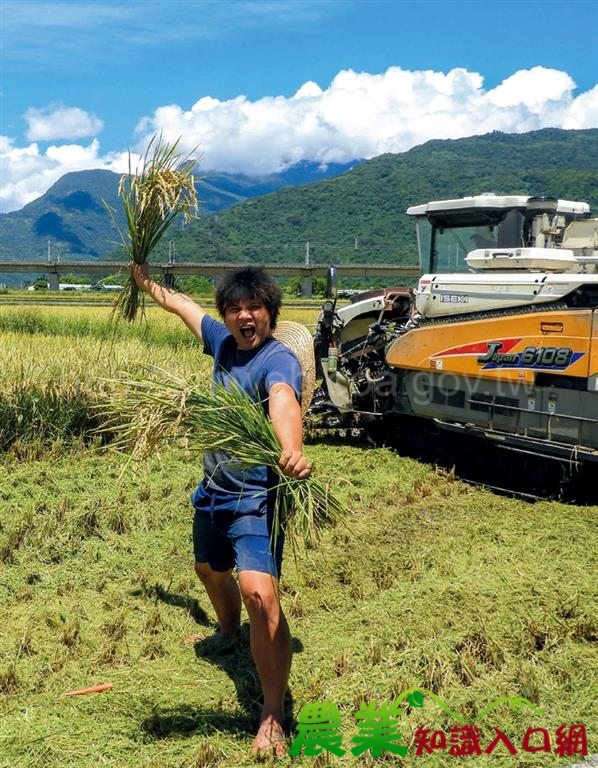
(233, 508)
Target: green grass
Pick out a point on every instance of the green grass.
(432, 584)
(64, 297)
(99, 297)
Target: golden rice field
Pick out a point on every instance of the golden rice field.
(56, 358)
(429, 584)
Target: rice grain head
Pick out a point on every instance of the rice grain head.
(160, 189)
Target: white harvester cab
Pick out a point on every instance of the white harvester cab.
(499, 251)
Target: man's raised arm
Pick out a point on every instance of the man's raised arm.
(173, 301)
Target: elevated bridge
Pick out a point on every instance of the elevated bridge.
(168, 271)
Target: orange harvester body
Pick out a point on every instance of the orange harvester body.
(494, 348)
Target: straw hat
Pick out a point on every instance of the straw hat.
(300, 341)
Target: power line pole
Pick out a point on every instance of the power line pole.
(171, 251)
(307, 263)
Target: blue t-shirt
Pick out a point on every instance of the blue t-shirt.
(225, 485)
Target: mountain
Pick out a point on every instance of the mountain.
(218, 191)
(357, 216)
(360, 216)
(72, 216)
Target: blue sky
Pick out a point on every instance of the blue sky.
(81, 82)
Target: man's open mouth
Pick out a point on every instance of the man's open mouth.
(247, 331)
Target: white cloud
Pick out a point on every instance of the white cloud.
(363, 115)
(583, 113)
(27, 173)
(532, 88)
(60, 122)
(359, 115)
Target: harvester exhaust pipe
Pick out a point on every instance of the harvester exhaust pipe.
(331, 282)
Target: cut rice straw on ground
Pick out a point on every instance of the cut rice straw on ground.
(154, 407)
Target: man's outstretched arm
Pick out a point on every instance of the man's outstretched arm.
(287, 422)
(173, 301)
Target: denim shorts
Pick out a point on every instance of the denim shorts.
(226, 539)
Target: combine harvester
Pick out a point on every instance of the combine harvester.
(499, 340)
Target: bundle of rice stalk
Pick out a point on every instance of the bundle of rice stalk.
(160, 189)
(145, 410)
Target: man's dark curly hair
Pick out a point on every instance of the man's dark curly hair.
(250, 283)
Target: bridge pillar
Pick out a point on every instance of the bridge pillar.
(53, 280)
(306, 287)
(168, 280)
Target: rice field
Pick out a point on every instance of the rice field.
(55, 359)
(430, 584)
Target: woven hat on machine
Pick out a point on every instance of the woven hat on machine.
(300, 341)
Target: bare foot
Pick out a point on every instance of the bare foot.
(269, 739)
(218, 635)
(194, 639)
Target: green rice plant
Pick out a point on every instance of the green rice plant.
(52, 360)
(95, 323)
(153, 196)
(76, 322)
(49, 411)
(155, 406)
(49, 383)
